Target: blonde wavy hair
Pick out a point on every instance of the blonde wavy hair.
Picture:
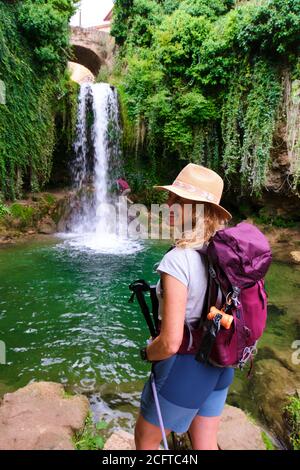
(203, 228)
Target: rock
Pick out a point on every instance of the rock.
(31, 232)
(62, 225)
(237, 432)
(5, 240)
(120, 440)
(284, 358)
(15, 223)
(40, 417)
(272, 383)
(296, 256)
(47, 226)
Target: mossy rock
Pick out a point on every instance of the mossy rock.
(272, 385)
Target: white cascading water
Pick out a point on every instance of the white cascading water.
(80, 144)
(96, 166)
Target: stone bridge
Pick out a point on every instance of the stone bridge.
(92, 48)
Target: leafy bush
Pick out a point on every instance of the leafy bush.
(177, 41)
(133, 21)
(45, 25)
(205, 8)
(273, 26)
(90, 438)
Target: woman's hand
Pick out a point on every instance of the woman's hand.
(173, 315)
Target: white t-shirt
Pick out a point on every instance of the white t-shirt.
(189, 267)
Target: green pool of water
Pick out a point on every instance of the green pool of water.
(65, 317)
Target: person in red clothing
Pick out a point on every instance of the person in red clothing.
(123, 188)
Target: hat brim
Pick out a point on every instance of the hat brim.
(186, 195)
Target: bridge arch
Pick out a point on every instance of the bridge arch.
(87, 57)
(92, 48)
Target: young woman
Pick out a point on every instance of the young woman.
(191, 394)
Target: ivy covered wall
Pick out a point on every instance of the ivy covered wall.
(34, 48)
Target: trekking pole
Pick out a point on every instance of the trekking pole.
(161, 423)
(138, 289)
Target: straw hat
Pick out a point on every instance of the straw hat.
(198, 183)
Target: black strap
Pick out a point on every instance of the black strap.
(212, 328)
(138, 289)
(155, 305)
(208, 293)
(211, 289)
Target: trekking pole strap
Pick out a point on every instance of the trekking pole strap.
(138, 289)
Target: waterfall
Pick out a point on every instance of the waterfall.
(79, 169)
(96, 167)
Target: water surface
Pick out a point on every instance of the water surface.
(65, 317)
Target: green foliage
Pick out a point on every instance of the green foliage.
(45, 25)
(267, 441)
(170, 5)
(23, 212)
(218, 55)
(141, 183)
(203, 81)
(249, 117)
(143, 80)
(4, 210)
(121, 14)
(27, 214)
(90, 438)
(273, 26)
(205, 8)
(177, 41)
(27, 120)
(134, 20)
(292, 414)
(273, 220)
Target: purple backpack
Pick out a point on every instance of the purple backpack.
(238, 259)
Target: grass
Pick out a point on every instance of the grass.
(22, 212)
(90, 438)
(267, 441)
(292, 416)
(4, 210)
(49, 199)
(67, 395)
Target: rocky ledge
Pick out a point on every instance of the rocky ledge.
(41, 416)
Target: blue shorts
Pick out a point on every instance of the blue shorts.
(185, 389)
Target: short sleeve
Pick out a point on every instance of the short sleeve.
(175, 263)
